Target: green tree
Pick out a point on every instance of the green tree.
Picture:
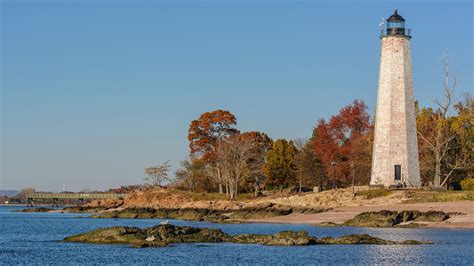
(280, 167)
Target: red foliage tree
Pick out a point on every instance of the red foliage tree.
(344, 140)
(205, 132)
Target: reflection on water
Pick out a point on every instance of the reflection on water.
(33, 238)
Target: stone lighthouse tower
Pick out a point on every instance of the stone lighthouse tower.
(395, 153)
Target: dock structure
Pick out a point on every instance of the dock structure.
(80, 197)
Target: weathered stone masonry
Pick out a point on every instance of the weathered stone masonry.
(395, 140)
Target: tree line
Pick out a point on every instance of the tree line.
(223, 159)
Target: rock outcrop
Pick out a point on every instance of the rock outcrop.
(163, 235)
(212, 215)
(39, 209)
(387, 218)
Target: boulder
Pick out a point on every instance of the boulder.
(375, 219)
(118, 234)
(387, 218)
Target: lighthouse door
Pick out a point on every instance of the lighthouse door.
(398, 172)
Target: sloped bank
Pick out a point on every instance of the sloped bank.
(163, 235)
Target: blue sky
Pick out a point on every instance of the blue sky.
(92, 92)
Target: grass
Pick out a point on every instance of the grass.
(374, 193)
(447, 196)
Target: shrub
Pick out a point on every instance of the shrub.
(467, 184)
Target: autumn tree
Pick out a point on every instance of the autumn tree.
(192, 174)
(206, 132)
(280, 167)
(157, 174)
(309, 167)
(343, 141)
(232, 156)
(261, 144)
(461, 158)
(440, 160)
(445, 135)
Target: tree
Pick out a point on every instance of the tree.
(261, 144)
(441, 132)
(280, 167)
(25, 191)
(192, 174)
(344, 140)
(462, 157)
(309, 167)
(157, 174)
(206, 132)
(232, 156)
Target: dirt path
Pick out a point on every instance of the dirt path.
(340, 215)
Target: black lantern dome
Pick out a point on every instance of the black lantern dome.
(395, 24)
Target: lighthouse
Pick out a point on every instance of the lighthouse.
(395, 159)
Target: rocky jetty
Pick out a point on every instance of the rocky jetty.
(39, 209)
(163, 235)
(212, 215)
(387, 218)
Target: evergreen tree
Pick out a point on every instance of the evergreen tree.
(280, 167)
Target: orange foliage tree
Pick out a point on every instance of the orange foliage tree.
(206, 132)
(345, 141)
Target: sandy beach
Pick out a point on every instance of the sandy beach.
(342, 214)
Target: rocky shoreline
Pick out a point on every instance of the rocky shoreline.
(383, 218)
(216, 216)
(164, 235)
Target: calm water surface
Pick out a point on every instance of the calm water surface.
(33, 238)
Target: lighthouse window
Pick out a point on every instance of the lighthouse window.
(396, 24)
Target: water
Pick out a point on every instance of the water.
(33, 238)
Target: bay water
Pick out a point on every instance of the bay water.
(35, 238)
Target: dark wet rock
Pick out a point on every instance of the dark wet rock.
(375, 219)
(163, 235)
(359, 239)
(431, 216)
(387, 218)
(285, 238)
(217, 216)
(39, 209)
(118, 234)
(327, 224)
(83, 209)
(412, 242)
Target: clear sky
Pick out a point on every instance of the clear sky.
(92, 92)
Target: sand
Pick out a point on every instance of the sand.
(342, 214)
